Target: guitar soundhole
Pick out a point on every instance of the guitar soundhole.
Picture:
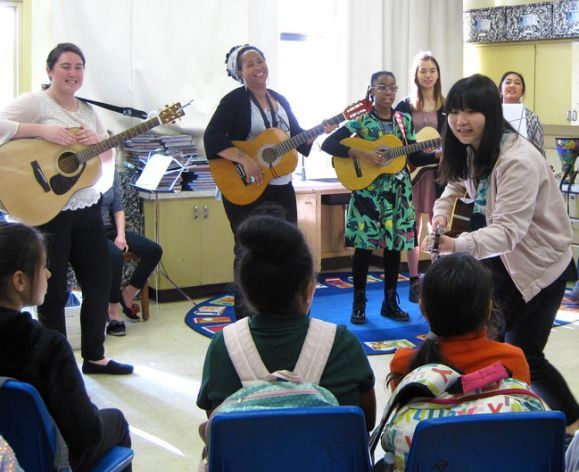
(68, 163)
(269, 155)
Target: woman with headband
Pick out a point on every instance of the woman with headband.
(242, 115)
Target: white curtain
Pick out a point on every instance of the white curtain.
(146, 54)
(387, 34)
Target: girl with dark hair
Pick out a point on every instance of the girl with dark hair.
(456, 299)
(76, 234)
(426, 105)
(512, 90)
(520, 226)
(242, 115)
(43, 357)
(277, 277)
(380, 216)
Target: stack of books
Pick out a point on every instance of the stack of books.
(187, 170)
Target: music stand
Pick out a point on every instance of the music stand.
(158, 177)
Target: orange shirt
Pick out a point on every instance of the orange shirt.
(469, 353)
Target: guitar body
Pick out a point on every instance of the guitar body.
(460, 219)
(356, 174)
(233, 186)
(37, 196)
(37, 178)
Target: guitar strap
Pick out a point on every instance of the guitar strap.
(132, 112)
(398, 118)
(263, 115)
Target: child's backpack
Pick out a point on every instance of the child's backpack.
(262, 389)
(282, 389)
(436, 390)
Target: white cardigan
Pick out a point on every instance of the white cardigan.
(527, 223)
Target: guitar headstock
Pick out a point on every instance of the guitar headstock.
(358, 108)
(171, 113)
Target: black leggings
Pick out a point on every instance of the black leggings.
(528, 325)
(361, 264)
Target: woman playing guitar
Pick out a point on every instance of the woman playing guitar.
(243, 114)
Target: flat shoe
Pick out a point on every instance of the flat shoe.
(130, 313)
(112, 368)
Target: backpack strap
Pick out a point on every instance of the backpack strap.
(309, 367)
(243, 352)
(316, 350)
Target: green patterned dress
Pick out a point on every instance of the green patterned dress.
(381, 216)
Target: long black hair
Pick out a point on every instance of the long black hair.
(477, 93)
(276, 265)
(456, 298)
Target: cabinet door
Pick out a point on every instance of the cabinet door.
(309, 224)
(553, 83)
(216, 242)
(493, 60)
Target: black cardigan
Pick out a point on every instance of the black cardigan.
(232, 121)
(55, 375)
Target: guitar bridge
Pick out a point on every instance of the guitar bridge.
(39, 176)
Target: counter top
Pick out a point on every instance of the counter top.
(327, 186)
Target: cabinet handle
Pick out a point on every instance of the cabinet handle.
(205, 212)
(574, 115)
(195, 213)
(568, 115)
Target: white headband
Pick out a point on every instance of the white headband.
(232, 62)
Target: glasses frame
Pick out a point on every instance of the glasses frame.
(385, 88)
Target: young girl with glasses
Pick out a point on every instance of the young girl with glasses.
(380, 216)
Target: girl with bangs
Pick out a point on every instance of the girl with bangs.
(519, 226)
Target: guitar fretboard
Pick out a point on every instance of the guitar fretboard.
(304, 136)
(92, 151)
(410, 148)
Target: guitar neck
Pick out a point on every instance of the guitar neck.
(410, 148)
(304, 136)
(96, 149)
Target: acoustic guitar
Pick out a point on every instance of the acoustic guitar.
(37, 178)
(275, 152)
(356, 174)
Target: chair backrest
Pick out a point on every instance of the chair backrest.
(290, 439)
(28, 427)
(529, 441)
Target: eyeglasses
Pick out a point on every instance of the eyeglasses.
(385, 88)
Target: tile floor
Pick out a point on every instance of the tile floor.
(159, 398)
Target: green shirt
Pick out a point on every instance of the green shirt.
(279, 342)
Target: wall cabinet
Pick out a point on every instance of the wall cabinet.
(196, 239)
(550, 69)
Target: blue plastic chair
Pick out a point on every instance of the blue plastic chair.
(28, 427)
(525, 441)
(289, 440)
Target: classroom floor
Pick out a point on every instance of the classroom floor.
(159, 398)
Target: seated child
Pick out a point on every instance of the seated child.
(456, 301)
(43, 357)
(276, 274)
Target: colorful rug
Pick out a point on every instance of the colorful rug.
(333, 302)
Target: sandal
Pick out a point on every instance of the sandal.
(131, 312)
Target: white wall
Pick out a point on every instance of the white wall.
(149, 53)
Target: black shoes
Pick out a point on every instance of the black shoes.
(111, 368)
(414, 292)
(359, 307)
(116, 328)
(130, 312)
(390, 308)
